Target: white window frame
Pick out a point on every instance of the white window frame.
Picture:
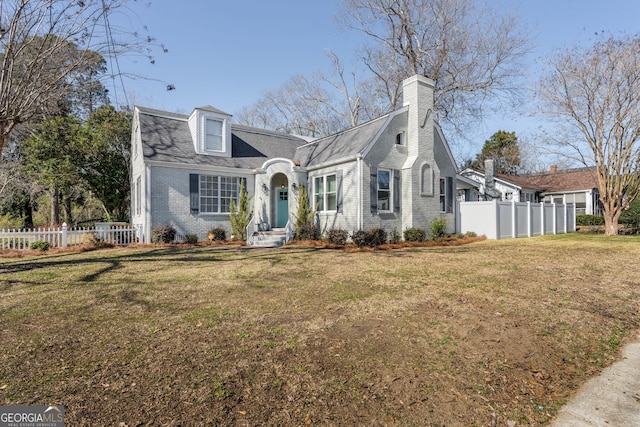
(222, 192)
(400, 139)
(388, 190)
(206, 135)
(321, 192)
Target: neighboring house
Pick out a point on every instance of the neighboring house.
(394, 172)
(572, 186)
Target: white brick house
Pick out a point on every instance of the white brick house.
(394, 172)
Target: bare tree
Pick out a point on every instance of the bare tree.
(44, 42)
(594, 94)
(470, 52)
(301, 106)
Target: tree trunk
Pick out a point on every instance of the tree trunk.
(55, 207)
(28, 212)
(67, 210)
(611, 217)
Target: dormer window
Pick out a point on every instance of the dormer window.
(213, 135)
(211, 131)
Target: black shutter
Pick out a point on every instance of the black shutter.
(339, 191)
(373, 189)
(396, 190)
(310, 193)
(449, 194)
(194, 192)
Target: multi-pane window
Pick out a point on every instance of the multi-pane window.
(216, 193)
(213, 135)
(384, 190)
(228, 191)
(325, 193)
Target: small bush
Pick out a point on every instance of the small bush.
(93, 241)
(395, 236)
(359, 238)
(217, 234)
(308, 231)
(586, 219)
(415, 235)
(373, 237)
(337, 236)
(630, 218)
(438, 228)
(40, 245)
(191, 239)
(163, 234)
(377, 236)
(471, 234)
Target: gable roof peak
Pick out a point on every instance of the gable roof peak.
(212, 109)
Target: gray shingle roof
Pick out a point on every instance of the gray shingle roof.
(340, 145)
(213, 110)
(166, 138)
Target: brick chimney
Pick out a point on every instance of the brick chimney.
(553, 168)
(417, 94)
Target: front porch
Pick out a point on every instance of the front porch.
(275, 206)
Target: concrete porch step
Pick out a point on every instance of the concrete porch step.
(268, 239)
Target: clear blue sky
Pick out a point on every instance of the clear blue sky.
(228, 54)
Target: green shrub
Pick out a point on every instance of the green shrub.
(191, 239)
(395, 236)
(337, 236)
(240, 214)
(630, 218)
(305, 220)
(217, 234)
(471, 234)
(359, 238)
(377, 237)
(415, 235)
(40, 245)
(438, 228)
(373, 237)
(163, 234)
(308, 231)
(585, 219)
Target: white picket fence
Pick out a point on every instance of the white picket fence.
(61, 237)
(504, 220)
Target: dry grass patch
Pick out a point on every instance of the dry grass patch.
(461, 335)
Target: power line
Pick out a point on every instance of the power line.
(113, 57)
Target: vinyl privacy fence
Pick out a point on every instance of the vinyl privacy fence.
(62, 237)
(504, 220)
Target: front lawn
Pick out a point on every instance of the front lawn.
(485, 333)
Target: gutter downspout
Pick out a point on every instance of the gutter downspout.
(359, 213)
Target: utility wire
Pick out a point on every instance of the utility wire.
(113, 57)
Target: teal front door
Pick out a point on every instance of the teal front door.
(282, 208)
